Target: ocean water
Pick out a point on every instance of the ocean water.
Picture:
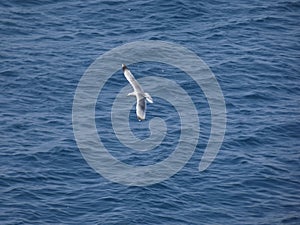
(252, 48)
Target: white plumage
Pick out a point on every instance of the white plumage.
(138, 92)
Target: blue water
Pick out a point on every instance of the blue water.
(253, 49)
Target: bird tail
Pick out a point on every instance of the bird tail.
(148, 97)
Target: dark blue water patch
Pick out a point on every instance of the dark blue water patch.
(253, 49)
(141, 131)
(162, 109)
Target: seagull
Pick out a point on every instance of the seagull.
(138, 92)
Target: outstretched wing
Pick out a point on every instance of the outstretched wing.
(141, 107)
(135, 85)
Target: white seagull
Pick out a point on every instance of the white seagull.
(138, 92)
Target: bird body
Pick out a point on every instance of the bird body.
(141, 96)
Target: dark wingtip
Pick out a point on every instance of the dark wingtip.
(124, 67)
(140, 119)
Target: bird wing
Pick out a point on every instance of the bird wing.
(140, 107)
(135, 85)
